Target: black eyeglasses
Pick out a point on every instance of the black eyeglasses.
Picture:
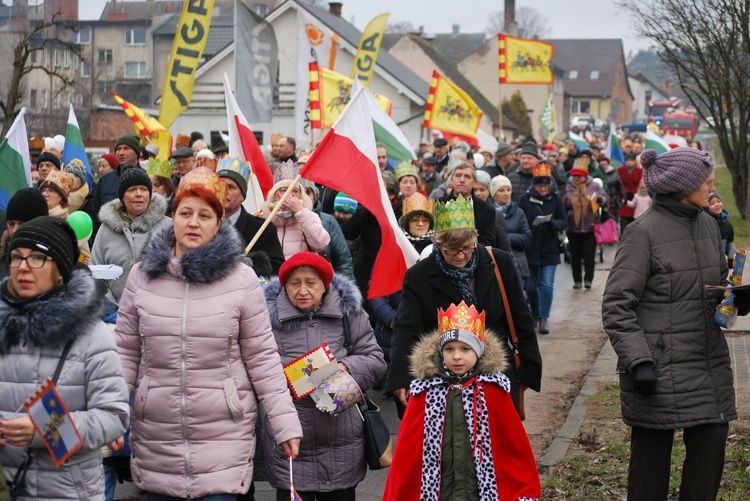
(34, 261)
(466, 251)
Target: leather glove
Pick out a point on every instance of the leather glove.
(644, 378)
(742, 302)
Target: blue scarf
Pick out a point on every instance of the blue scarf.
(459, 277)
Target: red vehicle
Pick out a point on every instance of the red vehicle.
(657, 109)
(680, 124)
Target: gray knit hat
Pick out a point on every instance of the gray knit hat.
(681, 170)
(77, 169)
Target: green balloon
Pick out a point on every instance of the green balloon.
(81, 224)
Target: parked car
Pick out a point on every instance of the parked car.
(636, 126)
(587, 123)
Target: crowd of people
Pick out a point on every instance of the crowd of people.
(201, 332)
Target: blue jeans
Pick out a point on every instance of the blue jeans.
(213, 497)
(539, 289)
(110, 478)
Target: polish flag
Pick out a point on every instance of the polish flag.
(346, 161)
(244, 145)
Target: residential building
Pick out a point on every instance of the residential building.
(644, 90)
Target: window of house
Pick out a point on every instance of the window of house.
(105, 55)
(58, 57)
(573, 75)
(83, 36)
(76, 61)
(43, 98)
(594, 75)
(85, 68)
(103, 86)
(66, 59)
(33, 56)
(135, 69)
(136, 36)
(32, 99)
(58, 100)
(581, 106)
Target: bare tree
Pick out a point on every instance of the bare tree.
(23, 45)
(710, 54)
(531, 24)
(400, 27)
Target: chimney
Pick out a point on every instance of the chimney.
(456, 29)
(511, 27)
(335, 8)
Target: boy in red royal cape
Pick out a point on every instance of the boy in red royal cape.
(461, 437)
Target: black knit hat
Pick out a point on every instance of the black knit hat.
(130, 140)
(48, 157)
(26, 204)
(53, 237)
(133, 176)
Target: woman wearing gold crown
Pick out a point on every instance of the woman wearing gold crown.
(460, 269)
(461, 437)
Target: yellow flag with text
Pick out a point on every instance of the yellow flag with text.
(523, 61)
(329, 94)
(187, 51)
(369, 46)
(450, 109)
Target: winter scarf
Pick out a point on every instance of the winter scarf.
(459, 277)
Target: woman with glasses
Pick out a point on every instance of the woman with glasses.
(460, 269)
(49, 319)
(298, 227)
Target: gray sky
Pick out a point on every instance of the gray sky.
(567, 18)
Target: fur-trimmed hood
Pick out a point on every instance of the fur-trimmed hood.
(426, 361)
(341, 298)
(54, 321)
(206, 264)
(142, 224)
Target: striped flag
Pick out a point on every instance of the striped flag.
(549, 120)
(653, 141)
(15, 163)
(74, 146)
(148, 127)
(579, 141)
(53, 422)
(614, 151)
(346, 161)
(451, 110)
(523, 61)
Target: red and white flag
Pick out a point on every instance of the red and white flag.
(244, 145)
(346, 161)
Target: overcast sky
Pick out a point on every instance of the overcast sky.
(567, 19)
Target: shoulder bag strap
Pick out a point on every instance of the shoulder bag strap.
(506, 305)
(61, 362)
(347, 333)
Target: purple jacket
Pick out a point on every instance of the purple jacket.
(195, 338)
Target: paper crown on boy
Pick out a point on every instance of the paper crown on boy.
(458, 213)
(462, 323)
(287, 170)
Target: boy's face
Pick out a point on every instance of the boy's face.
(459, 357)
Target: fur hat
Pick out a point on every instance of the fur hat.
(681, 170)
(305, 258)
(53, 237)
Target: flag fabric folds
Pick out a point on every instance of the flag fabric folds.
(523, 61)
(387, 132)
(74, 146)
(653, 141)
(614, 151)
(548, 120)
(257, 62)
(187, 51)
(244, 145)
(579, 141)
(346, 161)
(15, 163)
(369, 46)
(148, 127)
(329, 93)
(449, 109)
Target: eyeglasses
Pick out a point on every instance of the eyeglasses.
(466, 251)
(33, 261)
(420, 220)
(296, 191)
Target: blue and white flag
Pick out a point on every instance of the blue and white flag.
(53, 422)
(74, 147)
(614, 151)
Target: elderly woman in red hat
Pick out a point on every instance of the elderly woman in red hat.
(195, 340)
(309, 306)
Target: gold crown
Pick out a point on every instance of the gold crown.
(159, 167)
(458, 213)
(542, 169)
(463, 318)
(207, 179)
(419, 202)
(405, 168)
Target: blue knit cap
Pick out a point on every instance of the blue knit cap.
(344, 203)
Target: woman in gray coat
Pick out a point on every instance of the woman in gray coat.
(674, 364)
(47, 307)
(306, 304)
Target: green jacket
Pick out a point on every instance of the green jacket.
(459, 479)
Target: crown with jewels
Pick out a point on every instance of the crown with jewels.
(462, 317)
(405, 168)
(203, 177)
(458, 213)
(233, 164)
(286, 170)
(159, 167)
(542, 169)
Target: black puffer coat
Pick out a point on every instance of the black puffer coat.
(656, 309)
(545, 247)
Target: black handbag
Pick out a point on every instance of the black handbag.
(378, 443)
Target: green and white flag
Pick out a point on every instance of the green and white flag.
(15, 162)
(653, 141)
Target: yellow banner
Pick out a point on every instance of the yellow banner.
(148, 127)
(367, 52)
(450, 109)
(329, 94)
(187, 50)
(524, 61)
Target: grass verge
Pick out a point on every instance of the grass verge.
(596, 464)
(741, 227)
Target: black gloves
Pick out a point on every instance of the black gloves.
(644, 378)
(742, 302)
(630, 196)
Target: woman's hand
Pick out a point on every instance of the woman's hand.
(403, 395)
(291, 448)
(18, 432)
(117, 445)
(294, 204)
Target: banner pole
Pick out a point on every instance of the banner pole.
(272, 214)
